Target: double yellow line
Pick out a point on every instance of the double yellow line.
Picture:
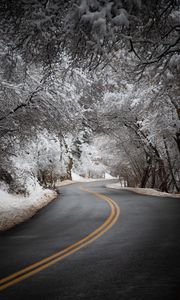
(45, 263)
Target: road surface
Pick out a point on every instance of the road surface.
(80, 247)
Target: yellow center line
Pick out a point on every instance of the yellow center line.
(44, 263)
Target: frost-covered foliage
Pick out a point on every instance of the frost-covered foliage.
(87, 161)
(88, 30)
(29, 99)
(30, 106)
(33, 27)
(89, 164)
(70, 69)
(142, 123)
(40, 30)
(42, 160)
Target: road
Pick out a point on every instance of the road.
(80, 247)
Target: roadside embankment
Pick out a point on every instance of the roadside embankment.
(15, 209)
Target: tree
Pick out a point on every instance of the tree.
(142, 124)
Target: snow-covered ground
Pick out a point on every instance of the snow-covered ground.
(78, 178)
(108, 176)
(63, 183)
(16, 209)
(143, 191)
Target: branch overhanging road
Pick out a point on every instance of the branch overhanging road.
(71, 250)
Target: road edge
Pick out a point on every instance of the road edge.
(143, 191)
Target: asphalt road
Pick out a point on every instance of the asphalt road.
(138, 258)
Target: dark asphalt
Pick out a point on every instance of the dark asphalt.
(137, 259)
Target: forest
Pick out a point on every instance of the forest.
(89, 86)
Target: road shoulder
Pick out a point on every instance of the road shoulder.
(142, 191)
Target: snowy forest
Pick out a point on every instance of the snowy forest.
(89, 86)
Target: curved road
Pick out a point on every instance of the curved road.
(79, 247)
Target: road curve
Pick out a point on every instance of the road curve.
(70, 250)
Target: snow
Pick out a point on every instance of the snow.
(78, 178)
(121, 20)
(15, 209)
(108, 176)
(43, 153)
(63, 183)
(143, 191)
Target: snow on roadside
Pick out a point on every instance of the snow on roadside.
(15, 209)
(143, 191)
(63, 183)
(78, 178)
(108, 176)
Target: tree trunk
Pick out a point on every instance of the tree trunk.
(153, 176)
(170, 166)
(177, 140)
(146, 173)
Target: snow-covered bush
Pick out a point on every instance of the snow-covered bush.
(89, 163)
(44, 159)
